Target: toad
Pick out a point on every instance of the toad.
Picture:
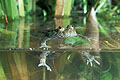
(69, 31)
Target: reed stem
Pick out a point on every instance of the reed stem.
(21, 8)
(27, 6)
(59, 12)
(1, 11)
(33, 6)
(9, 9)
(85, 6)
(67, 7)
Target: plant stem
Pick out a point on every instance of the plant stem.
(98, 8)
(21, 8)
(85, 6)
(33, 6)
(1, 11)
(27, 6)
(67, 7)
(9, 9)
(59, 12)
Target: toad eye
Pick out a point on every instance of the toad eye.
(59, 27)
(68, 26)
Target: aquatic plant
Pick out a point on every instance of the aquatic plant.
(9, 9)
(27, 6)
(1, 12)
(21, 8)
(61, 8)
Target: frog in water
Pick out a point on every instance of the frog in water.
(69, 31)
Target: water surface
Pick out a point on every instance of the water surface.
(20, 50)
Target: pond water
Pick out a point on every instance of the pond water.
(23, 65)
(66, 58)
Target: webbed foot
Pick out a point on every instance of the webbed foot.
(44, 45)
(90, 58)
(42, 59)
(93, 58)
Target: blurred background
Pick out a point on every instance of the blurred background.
(15, 9)
(24, 23)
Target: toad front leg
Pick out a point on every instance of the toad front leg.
(43, 60)
(85, 37)
(44, 45)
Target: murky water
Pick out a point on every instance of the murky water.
(23, 65)
(67, 58)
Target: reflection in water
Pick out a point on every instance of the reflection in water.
(22, 65)
(14, 65)
(15, 36)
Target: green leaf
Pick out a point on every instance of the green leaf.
(44, 13)
(76, 41)
(69, 56)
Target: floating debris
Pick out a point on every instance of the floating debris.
(109, 44)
